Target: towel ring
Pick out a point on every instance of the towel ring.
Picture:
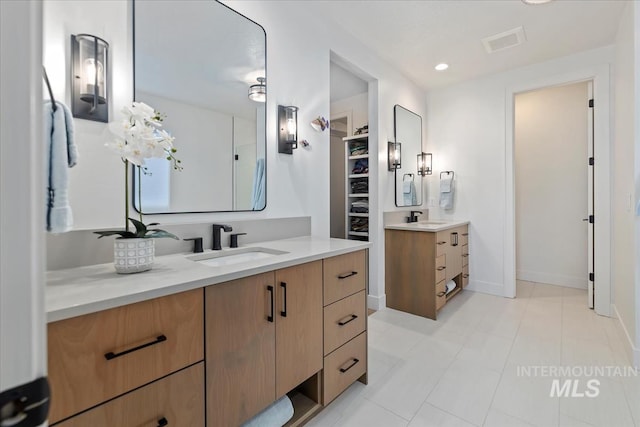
(447, 172)
(410, 175)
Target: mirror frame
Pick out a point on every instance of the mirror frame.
(134, 202)
(395, 174)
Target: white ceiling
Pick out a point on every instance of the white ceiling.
(416, 35)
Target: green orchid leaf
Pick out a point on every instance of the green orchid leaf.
(122, 233)
(141, 229)
(156, 234)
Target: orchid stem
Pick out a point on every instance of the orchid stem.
(126, 195)
(140, 193)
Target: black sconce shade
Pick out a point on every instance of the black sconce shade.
(425, 164)
(394, 151)
(89, 86)
(287, 129)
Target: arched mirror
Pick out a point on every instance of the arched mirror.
(196, 62)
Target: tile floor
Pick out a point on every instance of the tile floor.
(463, 369)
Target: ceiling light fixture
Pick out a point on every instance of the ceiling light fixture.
(442, 67)
(258, 92)
(535, 2)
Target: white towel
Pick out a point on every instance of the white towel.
(450, 286)
(275, 415)
(257, 196)
(446, 192)
(409, 193)
(62, 154)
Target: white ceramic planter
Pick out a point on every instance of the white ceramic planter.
(133, 255)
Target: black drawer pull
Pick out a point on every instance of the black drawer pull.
(270, 316)
(466, 276)
(283, 313)
(441, 243)
(441, 294)
(112, 355)
(352, 317)
(355, 362)
(344, 276)
(441, 268)
(465, 255)
(163, 422)
(454, 238)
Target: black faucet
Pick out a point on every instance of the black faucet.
(234, 239)
(216, 235)
(413, 216)
(197, 244)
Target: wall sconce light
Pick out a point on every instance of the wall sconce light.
(287, 129)
(425, 163)
(394, 153)
(258, 92)
(89, 87)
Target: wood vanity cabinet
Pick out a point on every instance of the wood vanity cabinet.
(418, 265)
(263, 339)
(100, 356)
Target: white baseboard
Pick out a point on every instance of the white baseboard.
(634, 351)
(552, 279)
(377, 302)
(486, 287)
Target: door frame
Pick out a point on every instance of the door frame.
(600, 75)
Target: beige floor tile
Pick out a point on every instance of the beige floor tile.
(430, 416)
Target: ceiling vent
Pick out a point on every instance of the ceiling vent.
(504, 40)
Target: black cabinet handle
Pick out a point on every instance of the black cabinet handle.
(270, 316)
(283, 313)
(112, 355)
(465, 255)
(351, 317)
(454, 239)
(163, 422)
(441, 243)
(355, 362)
(441, 294)
(344, 276)
(441, 268)
(465, 234)
(466, 276)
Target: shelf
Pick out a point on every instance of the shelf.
(453, 292)
(360, 215)
(359, 233)
(351, 138)
(359, 175)
(359, 156)
(359, 195)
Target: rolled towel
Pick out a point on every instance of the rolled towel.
(275, 415)
(450, 286)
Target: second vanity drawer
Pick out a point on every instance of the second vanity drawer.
(465, 275)
(343, 320)
(441, 268)
(441, 297)
(98, 356)
(177, 400)
(344, 275)
(465, 254)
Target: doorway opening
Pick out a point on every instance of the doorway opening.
(554, 187)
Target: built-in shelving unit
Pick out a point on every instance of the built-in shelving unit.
(357, 187)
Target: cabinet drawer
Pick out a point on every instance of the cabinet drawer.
(465, 275)
(442, 241)
(464, 236)
(343, 367)
(441, 268)
(178, 399)
(344, 320)
(98, 356)
(441, 297)
(465, 254)
(344, 275)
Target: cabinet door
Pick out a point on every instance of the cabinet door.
(298, 325)
(453, 253)
(240, 349)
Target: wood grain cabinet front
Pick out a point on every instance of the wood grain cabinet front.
(344, 275)
(344, 366)
(99, 356)
(177, 400)
(343, 320)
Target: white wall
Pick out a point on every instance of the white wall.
(624, 194)
(357, 105)
(551, 185)
(467, 133)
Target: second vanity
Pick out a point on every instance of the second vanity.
(189, 344)
(420, 259)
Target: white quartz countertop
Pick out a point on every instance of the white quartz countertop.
(429, 226)
(77, 291)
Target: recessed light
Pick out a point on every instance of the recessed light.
(534, 2)
(442, 67)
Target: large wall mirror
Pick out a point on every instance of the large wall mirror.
(408, 132)
(194, 62)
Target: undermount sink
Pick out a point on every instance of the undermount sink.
(230, 257)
